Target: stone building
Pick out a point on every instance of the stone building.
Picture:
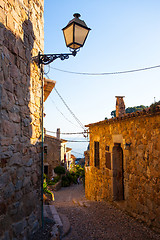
(51, 144)
(125, 164)
(68, 158)
(21, 38)
(87, 157)
(56, 153)
(52, 154)
(63, 151)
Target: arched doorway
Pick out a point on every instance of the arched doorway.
(118, 172)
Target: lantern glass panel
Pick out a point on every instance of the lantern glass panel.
(68, 34)
(80, 35)
(74, 46)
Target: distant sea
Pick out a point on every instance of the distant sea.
(78, 148)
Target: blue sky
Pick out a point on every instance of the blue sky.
(125, 35)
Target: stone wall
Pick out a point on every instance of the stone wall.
(130, 144)
(52, 155)
(21, 37)
(87, 158)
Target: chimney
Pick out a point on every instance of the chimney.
(120, 106)
(58, 133)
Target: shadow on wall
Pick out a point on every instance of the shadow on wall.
(20, 170)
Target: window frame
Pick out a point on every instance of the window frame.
(96, 154)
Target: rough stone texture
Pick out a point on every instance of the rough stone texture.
(21, 37)
(120, 106)
(137, 136)
(87, 158)
(52, 153)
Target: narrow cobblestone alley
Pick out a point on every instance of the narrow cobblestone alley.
(91, 220)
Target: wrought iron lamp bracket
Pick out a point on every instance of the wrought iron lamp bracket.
(48, 58)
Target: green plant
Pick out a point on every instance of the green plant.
(154, 105)
(78, 170)
(53, 182)
(59, 170)
(65, 181)
(46, 190)
(130, 110)
(56, 179)
(72, 175)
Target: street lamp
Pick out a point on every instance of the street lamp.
(75, 34)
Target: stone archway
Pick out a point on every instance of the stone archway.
(118, 172)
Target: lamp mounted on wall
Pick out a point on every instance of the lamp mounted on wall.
(75, 34)
(127, 146)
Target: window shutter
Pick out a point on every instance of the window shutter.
(96, 154)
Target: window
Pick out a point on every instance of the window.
(96, 154)
(46, 169)
(108, 157)
(107, 148)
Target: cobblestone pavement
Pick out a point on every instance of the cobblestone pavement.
(97, 220)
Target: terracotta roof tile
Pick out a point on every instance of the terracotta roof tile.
(144, 112)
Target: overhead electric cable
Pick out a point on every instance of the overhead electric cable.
(75, 141)
(108, 73)
(66, 133)
(78, 121)
(78, 153)
(62, 113)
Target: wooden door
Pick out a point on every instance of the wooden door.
(118, 172)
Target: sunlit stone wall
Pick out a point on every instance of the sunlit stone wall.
(52, 155)
(21, 37)
(138, 135)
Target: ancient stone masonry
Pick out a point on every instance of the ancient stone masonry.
(52, 154)
(21, 37)
(120, 106)
(128, 171)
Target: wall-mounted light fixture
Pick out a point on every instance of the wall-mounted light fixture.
(75, 34)
(127, 146)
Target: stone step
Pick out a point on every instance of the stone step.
(80, 203)
(86, 204)
(51, 212)
(66, 224)
(62, 224)
(74, 201)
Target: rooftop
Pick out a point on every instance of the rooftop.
(68, 149)
(145, 112)
(48, 87)
(61, 140)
